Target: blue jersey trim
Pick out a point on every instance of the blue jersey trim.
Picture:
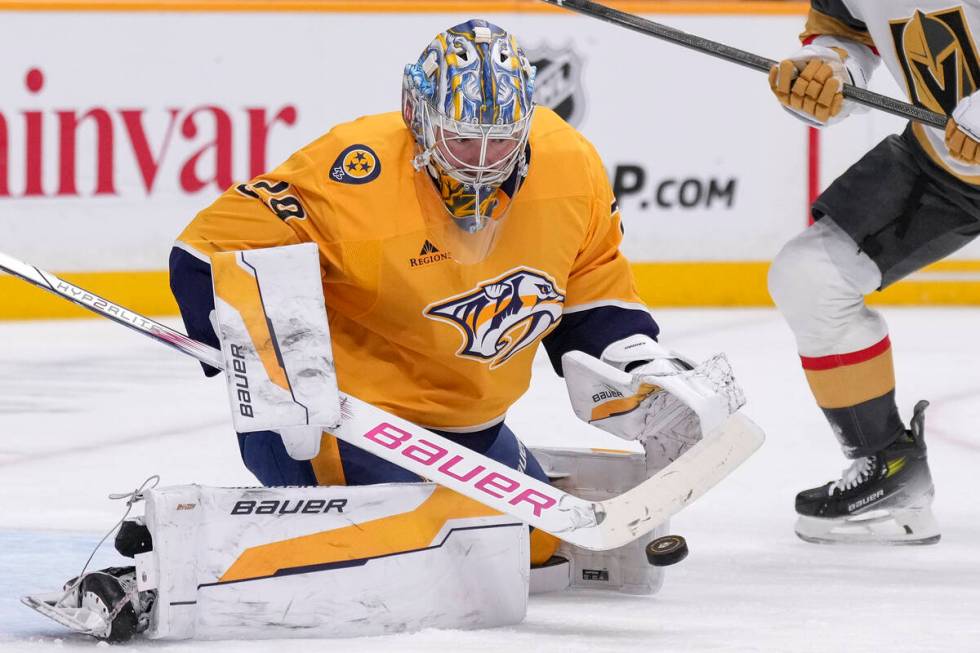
(592, 330)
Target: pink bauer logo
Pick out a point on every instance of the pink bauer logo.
(429, 454)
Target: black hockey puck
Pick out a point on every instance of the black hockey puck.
(666, 550)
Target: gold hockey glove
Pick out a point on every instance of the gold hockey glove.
(963, 131)
(811, 86)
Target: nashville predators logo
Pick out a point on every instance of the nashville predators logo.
(938, 57)
(503, 316)
(358, 164)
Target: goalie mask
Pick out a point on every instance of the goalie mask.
(468, 102)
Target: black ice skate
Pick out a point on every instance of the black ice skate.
(883, 498)
(105, 604)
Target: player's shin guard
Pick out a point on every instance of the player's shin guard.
(856, 391)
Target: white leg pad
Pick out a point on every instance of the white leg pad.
(597, 475)
(244, 563)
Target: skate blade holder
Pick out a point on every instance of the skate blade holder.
(79, 620)
(873, 527)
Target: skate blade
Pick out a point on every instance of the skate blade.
(875, 527)
(79, 620)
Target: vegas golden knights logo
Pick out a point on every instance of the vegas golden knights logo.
(938, 57)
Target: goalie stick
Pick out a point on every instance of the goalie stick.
(595, 525)
(743, 58)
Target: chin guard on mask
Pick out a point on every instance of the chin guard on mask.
(471, 237)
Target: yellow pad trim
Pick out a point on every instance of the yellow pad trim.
(617, 452)
(543, 546)
(623, 405)
(409, 531)
(327, 465)
(240, 289)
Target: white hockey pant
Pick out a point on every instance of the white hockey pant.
(819, 280)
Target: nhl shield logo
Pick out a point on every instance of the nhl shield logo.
(558, 83)
(502, 316)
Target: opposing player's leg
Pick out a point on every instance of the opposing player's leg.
(868, 235)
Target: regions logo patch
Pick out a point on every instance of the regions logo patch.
(428, 254)
(358, 164)
(502, 316)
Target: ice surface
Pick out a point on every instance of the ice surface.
(88, 408)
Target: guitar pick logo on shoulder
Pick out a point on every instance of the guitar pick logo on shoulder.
(358, 164)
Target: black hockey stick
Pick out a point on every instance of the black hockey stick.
(743, 58)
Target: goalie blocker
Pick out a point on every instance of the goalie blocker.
(272, 322)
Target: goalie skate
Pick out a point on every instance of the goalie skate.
(885, 498)
(104, 604)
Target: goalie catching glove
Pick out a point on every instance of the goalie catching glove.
(640, 391)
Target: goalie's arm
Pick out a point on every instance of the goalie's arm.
(268, 211)
(601, 304)
(209, 234)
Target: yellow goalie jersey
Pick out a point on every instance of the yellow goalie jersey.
(416, 333)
